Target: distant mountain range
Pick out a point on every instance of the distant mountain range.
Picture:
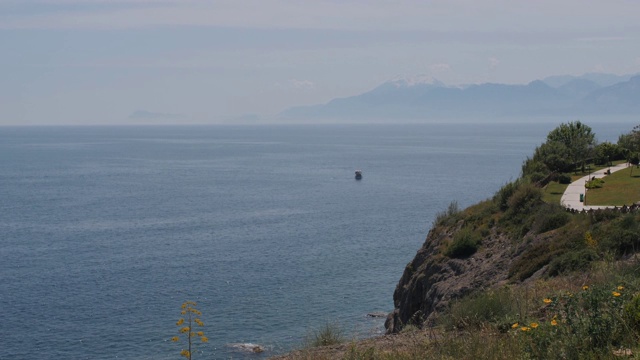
(421, 98)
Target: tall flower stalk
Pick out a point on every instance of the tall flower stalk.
(190, 318)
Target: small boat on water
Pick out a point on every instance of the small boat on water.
(358, 174)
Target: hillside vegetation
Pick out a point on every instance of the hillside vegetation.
(517, 277)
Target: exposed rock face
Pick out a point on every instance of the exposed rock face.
(432, 279)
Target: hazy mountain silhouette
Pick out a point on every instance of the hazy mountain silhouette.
(578, 88)
(598, 78)
(621, 98)
(427, 98)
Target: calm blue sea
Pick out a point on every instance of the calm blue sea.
(105, 231)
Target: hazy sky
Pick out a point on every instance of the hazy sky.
(99, 61)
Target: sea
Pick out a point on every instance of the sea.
(106, 231)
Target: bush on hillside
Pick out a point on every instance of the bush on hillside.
(603, 215)
(564, 179)
(622, 241)
(523, 201)
(501, 197)
(550, 217)
(572, 261)
(536, 177)
(621, 236)
(465, 243)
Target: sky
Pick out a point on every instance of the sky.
(195, 61)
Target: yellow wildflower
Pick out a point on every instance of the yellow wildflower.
(620, 288)
(534, 325)
(586, 287)
(547, 301)
(615, 293)
(525, 328)
(200, 333)
(554, 322)
(185, 353)
(180, 322)
(204, 339)
(515, 325)
(175, 338)
(185, 329)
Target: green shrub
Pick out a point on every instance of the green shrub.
(524, 199)
(594, 184)
(502, 196)
(564, 179)
(572, 261)
(620, 236)
(550, 217)
(465, 243)
(622, 241)
(629, 222)
(603, 215)
(537, 176)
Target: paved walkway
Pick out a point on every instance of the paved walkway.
(571, 197)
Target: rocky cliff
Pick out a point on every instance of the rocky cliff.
(432, 279)
(513, 237)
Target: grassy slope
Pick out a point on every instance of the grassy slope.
(620, 188)
(553, 192)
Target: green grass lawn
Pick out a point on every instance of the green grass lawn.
(620, 188)
(607, 195)
(553, 192)
(590, 169)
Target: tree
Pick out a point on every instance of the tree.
(630, 142)
(555, 155)
(606, 152)
(630, 145)
(577, 137)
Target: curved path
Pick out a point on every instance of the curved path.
(571, 197)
